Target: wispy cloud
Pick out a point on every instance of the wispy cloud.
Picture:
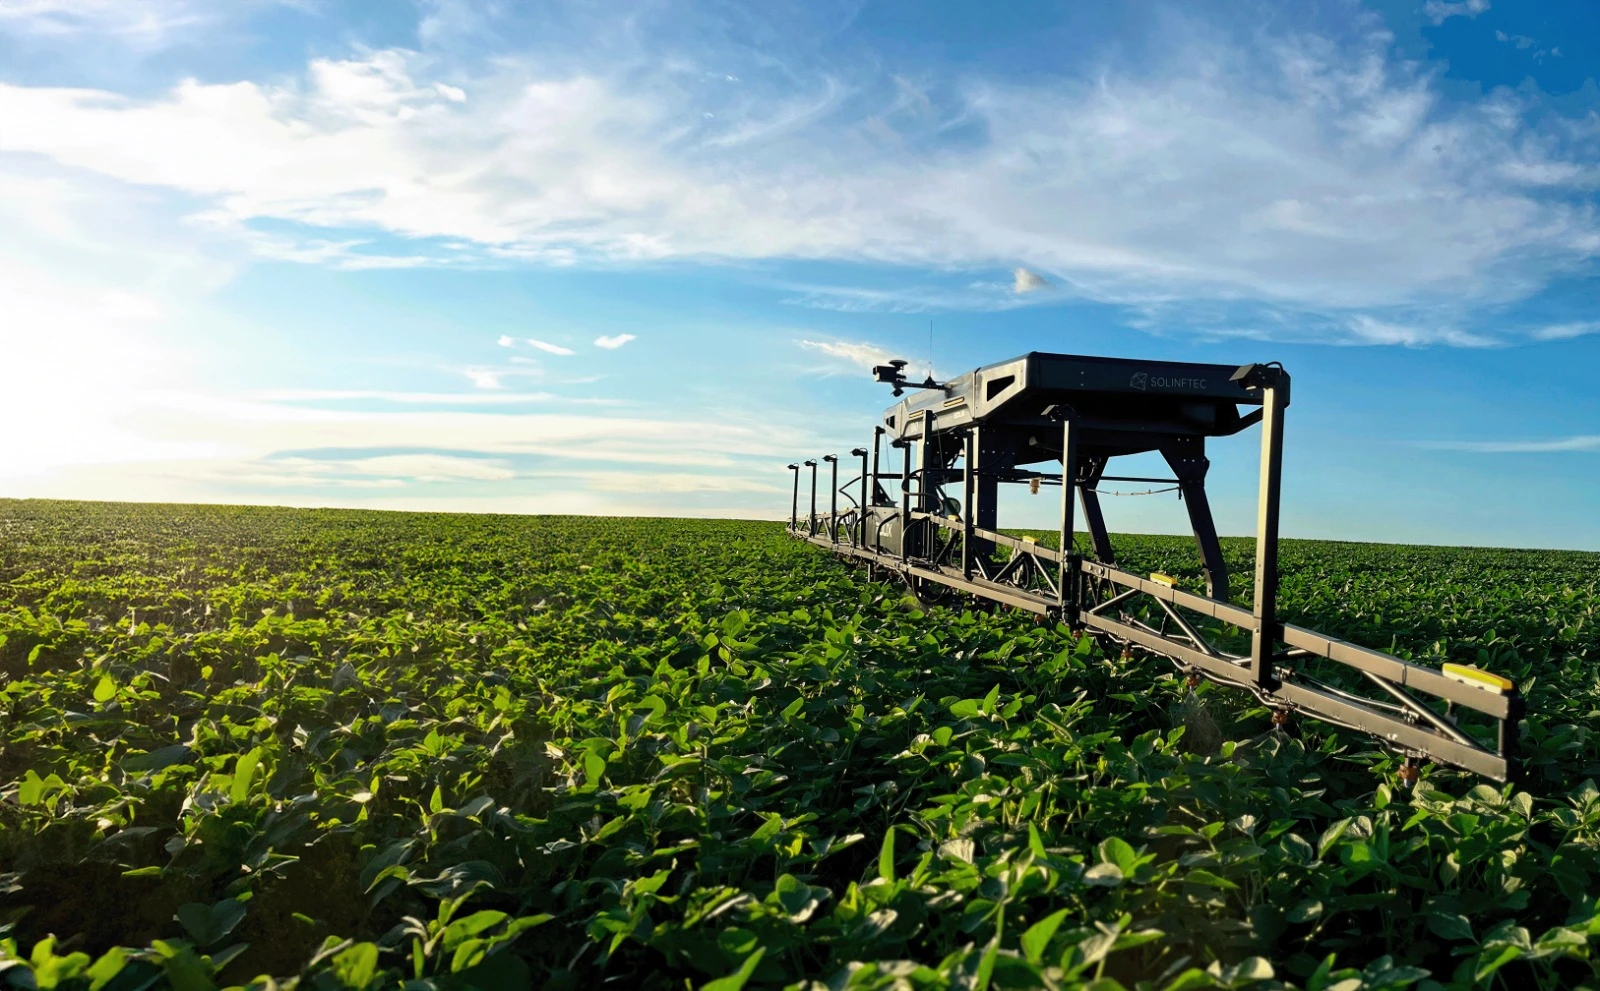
(406, 398)
(378, 471)
(141, 26)
(1581, 442)
(611, 342)
(494, 376)
(1369, 330)
(1523, 42)
(1567, 331)
(289, 449)
(1439, 11)
(917, 297)
(1317, 176)
(549, 348)
(676, 482)
(149, 20)
(858, 353)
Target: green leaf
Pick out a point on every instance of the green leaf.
(1036, 842)
(106, 968)
(357, 966)
(1296, 848)
(1199, 875)
(886, 857)
(736, 980)
(990, 700)
(1450, 926)
(436, 800)
(1489, 962)
(962, 849)
(184, 970)
(208, 924)
(472, 925)
(1117, 851)
(594, 768)
(650, 885)
(31, 789)
(986, 965)
(1330, 836)
(1037, 939)
(157, 760)
(105, 689)
(1103, 875)
(1193, 979)
(1247, 971)
(1304, 911)
(967, 709)
(243, 772)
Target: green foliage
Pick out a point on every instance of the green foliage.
(339, 750)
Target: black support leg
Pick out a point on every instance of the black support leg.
(1099, 539)
(1187, 458)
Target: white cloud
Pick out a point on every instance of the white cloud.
(149, 20)
(1567, 331)
(454, 94)
(1367, 330)
(434, 467)
(861, 354)
(915, 298)
(179, 445)
(1582, 442)
(507, 341)
(410, 398)
(1307, 176)
(141, 25)
(218, 426)
(494, 377)
(1024, 281)
(678, 482)
(380, 471)
(613, 341)
(1440, 11)
(549, 348)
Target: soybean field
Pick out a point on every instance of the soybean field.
(316, 749)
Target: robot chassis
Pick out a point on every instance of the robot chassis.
(993, 425)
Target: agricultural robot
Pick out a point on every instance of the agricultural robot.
(1057, 421)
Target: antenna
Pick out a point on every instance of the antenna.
(930, 349)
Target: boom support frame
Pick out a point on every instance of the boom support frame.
(1070, 409)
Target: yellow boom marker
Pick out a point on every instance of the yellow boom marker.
(1161, 579)
(1479, 678)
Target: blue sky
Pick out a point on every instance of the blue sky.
(635, 257)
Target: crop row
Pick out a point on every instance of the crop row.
(352, 750)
